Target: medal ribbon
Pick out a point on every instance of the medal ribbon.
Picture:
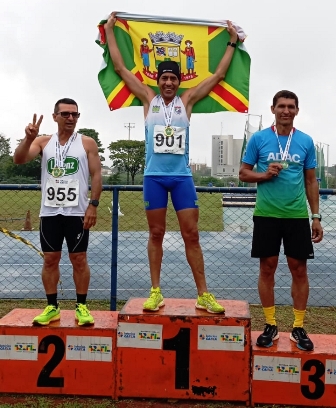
(60, 156)
(284, 153)
(168, 116)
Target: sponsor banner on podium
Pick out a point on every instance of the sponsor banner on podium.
(330, 375)
(230, 338)
(138, 335)
(88, 348)
(283, 369)
(14, 347)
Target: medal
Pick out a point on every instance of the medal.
(57, 172)
(284, 153)
(169, 131)
(60, 156)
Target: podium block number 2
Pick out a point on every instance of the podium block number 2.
(44, 378)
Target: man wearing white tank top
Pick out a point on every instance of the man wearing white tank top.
(167, 169)
(68, 160)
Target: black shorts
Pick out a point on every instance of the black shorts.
(269, 232)
(54, 229)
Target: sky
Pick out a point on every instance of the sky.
(48, 51)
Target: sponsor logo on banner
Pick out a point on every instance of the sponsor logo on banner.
(76, 347)
(229, 338)
(127, 335)
(330, 376)
(99, 348)
(138, 335)
(287, 369)
(18, 347)
(232, 338)
(89, 348)
(149, 335)
(283, 369)
(25, 347)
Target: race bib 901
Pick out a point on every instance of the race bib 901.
(61, 193)
(174, 144)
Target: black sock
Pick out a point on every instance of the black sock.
(52, 299)
(81, 298)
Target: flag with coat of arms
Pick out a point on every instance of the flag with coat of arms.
(197, 46)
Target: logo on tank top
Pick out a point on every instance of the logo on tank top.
(71, 165)
(156, 109)
(178, 110)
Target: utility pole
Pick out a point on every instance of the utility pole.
(129, 126)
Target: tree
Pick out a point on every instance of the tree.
(5, 149)
(129, 156)
(94, 135)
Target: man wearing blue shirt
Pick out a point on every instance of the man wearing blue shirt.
(285, 175)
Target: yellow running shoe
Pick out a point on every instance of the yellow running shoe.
(208, 302)
(155, 300)
(50, 314)
(83, 315)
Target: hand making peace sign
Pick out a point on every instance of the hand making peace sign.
(32, 129)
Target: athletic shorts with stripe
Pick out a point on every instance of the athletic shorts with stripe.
(54, 229)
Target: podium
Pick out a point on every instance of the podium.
(184, 353)
(283, 374)
(61, 358)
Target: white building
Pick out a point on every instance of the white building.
(226, 152)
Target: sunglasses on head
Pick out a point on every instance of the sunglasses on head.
(75, 115)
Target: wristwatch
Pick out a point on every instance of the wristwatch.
(95, 203)
(318, 216)
(231, 44)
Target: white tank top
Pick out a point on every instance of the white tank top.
(64, 191)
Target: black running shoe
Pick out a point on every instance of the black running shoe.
(266, 338)
(301, 338)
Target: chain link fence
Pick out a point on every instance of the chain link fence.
(117, 251)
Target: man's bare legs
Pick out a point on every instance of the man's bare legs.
(188, 220)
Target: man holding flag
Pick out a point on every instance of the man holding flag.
(167, 169)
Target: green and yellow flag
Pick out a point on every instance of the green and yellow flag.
(197, 46)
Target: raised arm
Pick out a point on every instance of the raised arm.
(140, 90)
(30, 146)
(193, 95)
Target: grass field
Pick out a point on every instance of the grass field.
(318, 320)
(15, 204)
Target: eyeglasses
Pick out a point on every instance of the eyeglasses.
(75, 115)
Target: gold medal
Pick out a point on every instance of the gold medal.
(169, 131)
(57, 172)
(284, 165)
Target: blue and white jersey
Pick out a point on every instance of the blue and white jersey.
(167, 155)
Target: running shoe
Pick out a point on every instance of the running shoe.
(155, 300)
(208, 302)
(50, 314)
(301, 338)
(83, 315)
(266, 338)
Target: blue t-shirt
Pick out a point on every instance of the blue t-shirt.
(283, 196)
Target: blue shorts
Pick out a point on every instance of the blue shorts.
(182, 192)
